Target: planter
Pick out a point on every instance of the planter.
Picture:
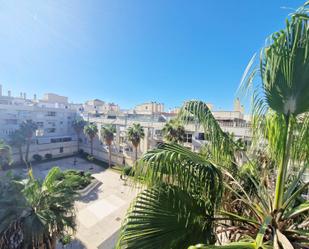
(85, 191)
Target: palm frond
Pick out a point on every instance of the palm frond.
(165, 217)
(198, 113)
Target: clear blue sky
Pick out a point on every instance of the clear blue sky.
(132, 51)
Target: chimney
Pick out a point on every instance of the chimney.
(21, 94)
(34, 97)
(9, 93)
(0, 90)
(25, 96)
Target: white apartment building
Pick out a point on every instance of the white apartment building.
(55, 135)
(53, 117)
(230, 121)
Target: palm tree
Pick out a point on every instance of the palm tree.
(78, 126)
(27, 129)
(174, 131)
(5, 154)
(107, 132)
(91, 130)
(17, 140)
(135, 133)
(192, 199)
(34, 214)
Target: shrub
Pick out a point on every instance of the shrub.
(48, 156)
(37, 157)
(127, 170)
(90, 158)
(76, 179)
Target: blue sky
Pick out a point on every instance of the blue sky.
(132, 51)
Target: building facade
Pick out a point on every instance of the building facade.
(53, 118)
(55, 135)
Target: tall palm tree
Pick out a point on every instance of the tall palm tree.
(34, 214)
(107, 132)
(91, 130)
(135, 133)
(174, 131)
(78, 126)
(27, 129)
(5, 154)
(193, 199)
(18, 140)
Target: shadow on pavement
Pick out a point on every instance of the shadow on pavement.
(92, 196)
(75, 244)
(110, 243)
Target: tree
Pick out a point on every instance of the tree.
(5, 154)
(91, 130)
(135, 133)
(27, 129)
(17, 140)
(193, 199)
(174, 131)
(78, 126)
(34, 214)
(107, 132)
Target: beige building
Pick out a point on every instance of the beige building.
(98, 107)
(149, 108)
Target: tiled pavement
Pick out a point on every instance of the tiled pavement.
(100, 213)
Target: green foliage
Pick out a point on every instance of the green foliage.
(166, 217)
(107, 132)
(78, 125)
(91, 130)
(174, 131)
(127, 170)
(135, 133)
(262, 205)
(34, 212)
(75, 179)
(5, 154)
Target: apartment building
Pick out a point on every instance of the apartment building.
(232, 122)
(54, 115)
(53, 118)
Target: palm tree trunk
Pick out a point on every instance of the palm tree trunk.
(27, 150)
(77, 143)
(135, 153)
(21, 158)
(91, 147)
(282, 170)
(53, 241)
(109, 156)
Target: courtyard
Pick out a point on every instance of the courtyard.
(99, 213)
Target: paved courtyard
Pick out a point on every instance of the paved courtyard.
(101, 212)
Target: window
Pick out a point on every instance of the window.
(61, 150)
(55, 140)
(200, 136)
(188, 138)
(53, 124)
(51, 130)
(40, 124)
(51, 114)
(67, 139)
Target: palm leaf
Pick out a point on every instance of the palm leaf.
(165, 217)
(236, 245)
